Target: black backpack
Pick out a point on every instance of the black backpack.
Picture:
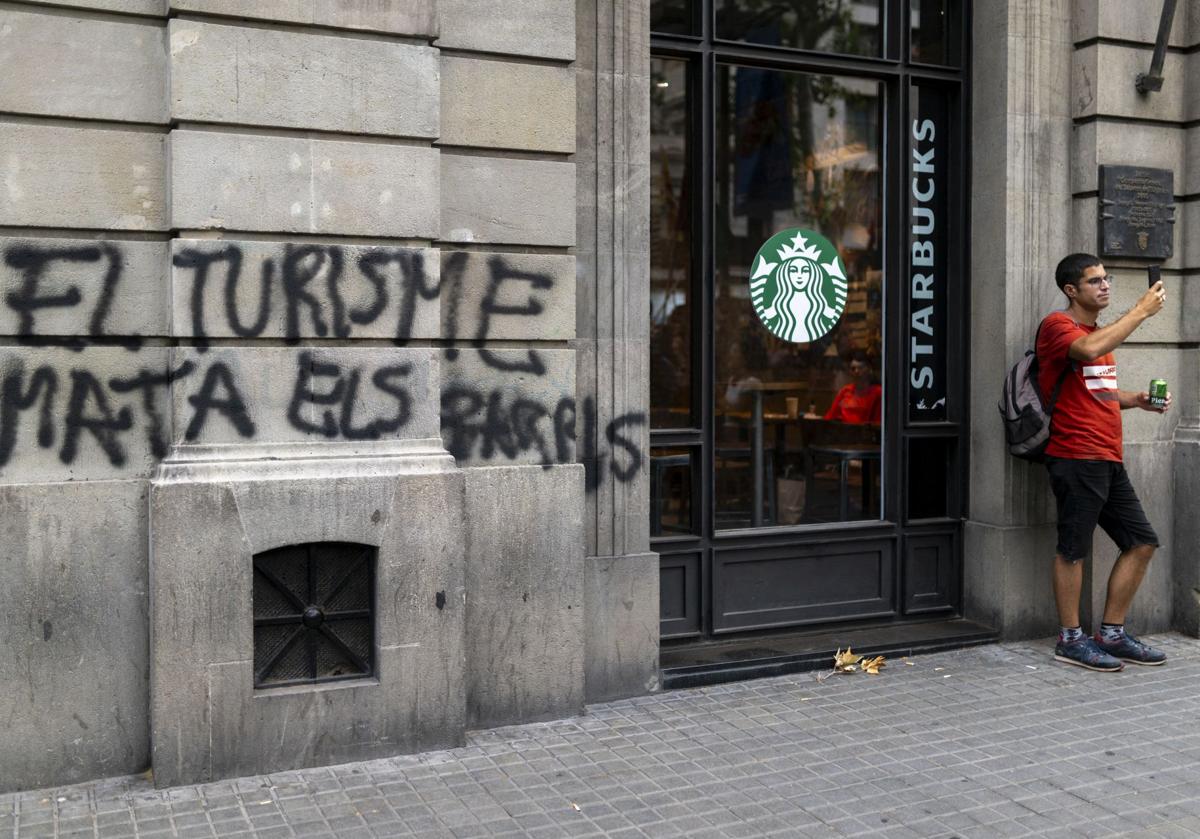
(1025, 414)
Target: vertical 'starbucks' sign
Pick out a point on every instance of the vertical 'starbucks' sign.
(798, 285)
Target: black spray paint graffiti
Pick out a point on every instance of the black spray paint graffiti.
(343, 392)
(516, 428)
(499, 272)
(104, 410)
(312, 282)
(34, 263)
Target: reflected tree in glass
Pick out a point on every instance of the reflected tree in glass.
(850, 27)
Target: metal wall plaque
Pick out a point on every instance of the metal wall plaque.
(1137, 212)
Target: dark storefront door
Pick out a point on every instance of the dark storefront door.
(807, 394)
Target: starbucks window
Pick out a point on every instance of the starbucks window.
(806, 305)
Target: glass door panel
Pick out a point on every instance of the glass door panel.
(797, 424)
(671, 241)
(671, 492)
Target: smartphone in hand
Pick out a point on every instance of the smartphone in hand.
(1155, 272)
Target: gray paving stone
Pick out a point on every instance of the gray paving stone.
(895, 757)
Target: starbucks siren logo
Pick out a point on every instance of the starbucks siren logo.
(798, 285)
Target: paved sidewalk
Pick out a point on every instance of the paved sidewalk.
(990, 741)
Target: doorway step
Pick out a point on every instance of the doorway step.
(730, 660)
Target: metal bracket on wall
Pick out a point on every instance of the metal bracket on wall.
(1153, 81)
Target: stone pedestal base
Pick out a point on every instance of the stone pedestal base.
(621, 609)
(211, 511)
(1007, 578)
(525, 616)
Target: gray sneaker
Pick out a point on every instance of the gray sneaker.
(1129, 648)
(1086, 653)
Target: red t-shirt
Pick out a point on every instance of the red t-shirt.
(1086, 424)
(848, 406)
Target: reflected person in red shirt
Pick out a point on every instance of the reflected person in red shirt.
(859, 401)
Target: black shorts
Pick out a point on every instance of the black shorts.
(1091, 492)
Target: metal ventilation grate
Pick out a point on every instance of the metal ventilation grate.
(314, 613)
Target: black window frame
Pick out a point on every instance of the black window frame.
(703, 52)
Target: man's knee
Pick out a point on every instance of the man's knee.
(1142, 552)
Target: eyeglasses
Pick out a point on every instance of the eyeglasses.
(1107, 279)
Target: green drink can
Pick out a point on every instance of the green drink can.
(1158, 393)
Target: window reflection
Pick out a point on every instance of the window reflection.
(934, 30)
(674, 17)
(797, 425)
(842, 26)
(670, 491)
(670, 247)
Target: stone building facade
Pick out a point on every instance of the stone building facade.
(352, 272)
(368, 281)
(1068, 106)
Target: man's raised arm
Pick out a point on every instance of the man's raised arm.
(1108, 338)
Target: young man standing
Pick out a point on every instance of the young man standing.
(1084, 459)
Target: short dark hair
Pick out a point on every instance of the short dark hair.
(1070, 269)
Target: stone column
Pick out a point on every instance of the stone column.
(509, 400)
(613, 159)
(1020, 216)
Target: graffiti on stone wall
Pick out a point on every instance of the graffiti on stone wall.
(29, 296)
(519, 408)
(528, 425)
(312, 288)
(67, 404)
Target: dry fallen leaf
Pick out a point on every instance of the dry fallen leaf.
(851, 662)
(845, 662)
(873, 665)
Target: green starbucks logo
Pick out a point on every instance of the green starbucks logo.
(798, 285)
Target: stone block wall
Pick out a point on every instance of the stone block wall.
(1115, 124)
(85, 268)
(238, 224)
(1069, 105)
